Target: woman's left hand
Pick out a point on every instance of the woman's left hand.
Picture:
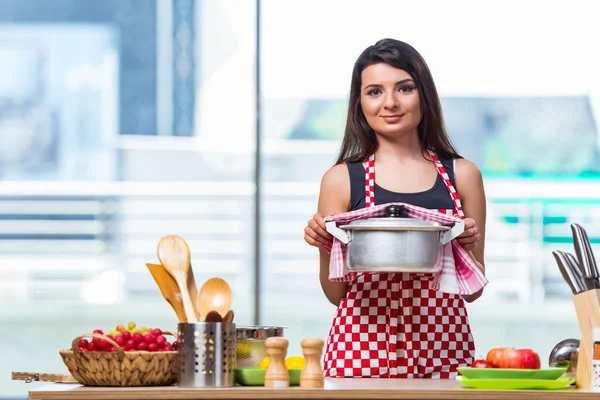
(469, 239)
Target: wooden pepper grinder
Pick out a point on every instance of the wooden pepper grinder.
(277, 375)
(312, 374)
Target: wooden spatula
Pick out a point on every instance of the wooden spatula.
(169, 289)
(193, 289)
(174, 254)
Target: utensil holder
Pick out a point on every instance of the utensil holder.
(587, 307)
(206, 354)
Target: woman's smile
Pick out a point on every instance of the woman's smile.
(392, 119)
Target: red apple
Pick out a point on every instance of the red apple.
(482, 364)
(495, 354)
(519, 358)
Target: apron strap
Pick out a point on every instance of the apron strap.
(451, 189)
(370, 183)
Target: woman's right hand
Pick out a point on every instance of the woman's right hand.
(315, 232)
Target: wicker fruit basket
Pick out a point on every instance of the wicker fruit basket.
(120, 368)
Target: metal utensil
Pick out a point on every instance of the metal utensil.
(393, 243)
(595, 274)
(251, 348)
(566, 271)
(585, 257)
(580, 249)
(565, 355)
(576, 271)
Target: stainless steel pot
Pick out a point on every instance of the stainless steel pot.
(393, 243)
(250, 348)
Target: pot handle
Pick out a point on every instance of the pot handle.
(447, 236)
(342, 235)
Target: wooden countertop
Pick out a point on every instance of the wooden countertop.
(340, 388)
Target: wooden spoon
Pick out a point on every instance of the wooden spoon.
(213, 316)
(169, 289)
(215, 295)
(228, 317)
(174, 254)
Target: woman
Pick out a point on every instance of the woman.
(395, 130)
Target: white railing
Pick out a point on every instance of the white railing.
(59, 235)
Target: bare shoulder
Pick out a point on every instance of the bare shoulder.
(335, 190)
(336, 177)
(469, 180)
(467, 171)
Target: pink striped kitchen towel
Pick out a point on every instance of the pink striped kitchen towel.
(457, 271)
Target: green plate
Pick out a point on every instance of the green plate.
(515, 384)
(509, 373)
(256, 376)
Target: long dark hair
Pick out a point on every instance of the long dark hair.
(359, 138)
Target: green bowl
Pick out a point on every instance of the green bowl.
(256, 376)
(509, 373)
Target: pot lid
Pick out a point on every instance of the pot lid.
(395, 224)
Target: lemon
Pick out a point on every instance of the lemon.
(248, 348)
(264, 364)
(294, 362)
(243, 350)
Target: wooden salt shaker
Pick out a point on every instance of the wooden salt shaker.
(312, 374)
(277, 375)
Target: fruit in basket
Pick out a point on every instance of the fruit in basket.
(137, 337)
(151, 361)
(508, 357)
(150, 339)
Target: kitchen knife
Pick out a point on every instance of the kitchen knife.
(585, 257)
(566, 272)
(576, 271)
(592, 260)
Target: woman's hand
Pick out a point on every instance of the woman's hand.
(469, 239)
(315, 232)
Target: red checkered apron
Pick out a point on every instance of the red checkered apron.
(391, 325)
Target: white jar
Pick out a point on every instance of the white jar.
(596, 359)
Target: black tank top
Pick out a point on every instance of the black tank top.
(437, 197)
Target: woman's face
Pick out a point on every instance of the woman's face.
(389, 100)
